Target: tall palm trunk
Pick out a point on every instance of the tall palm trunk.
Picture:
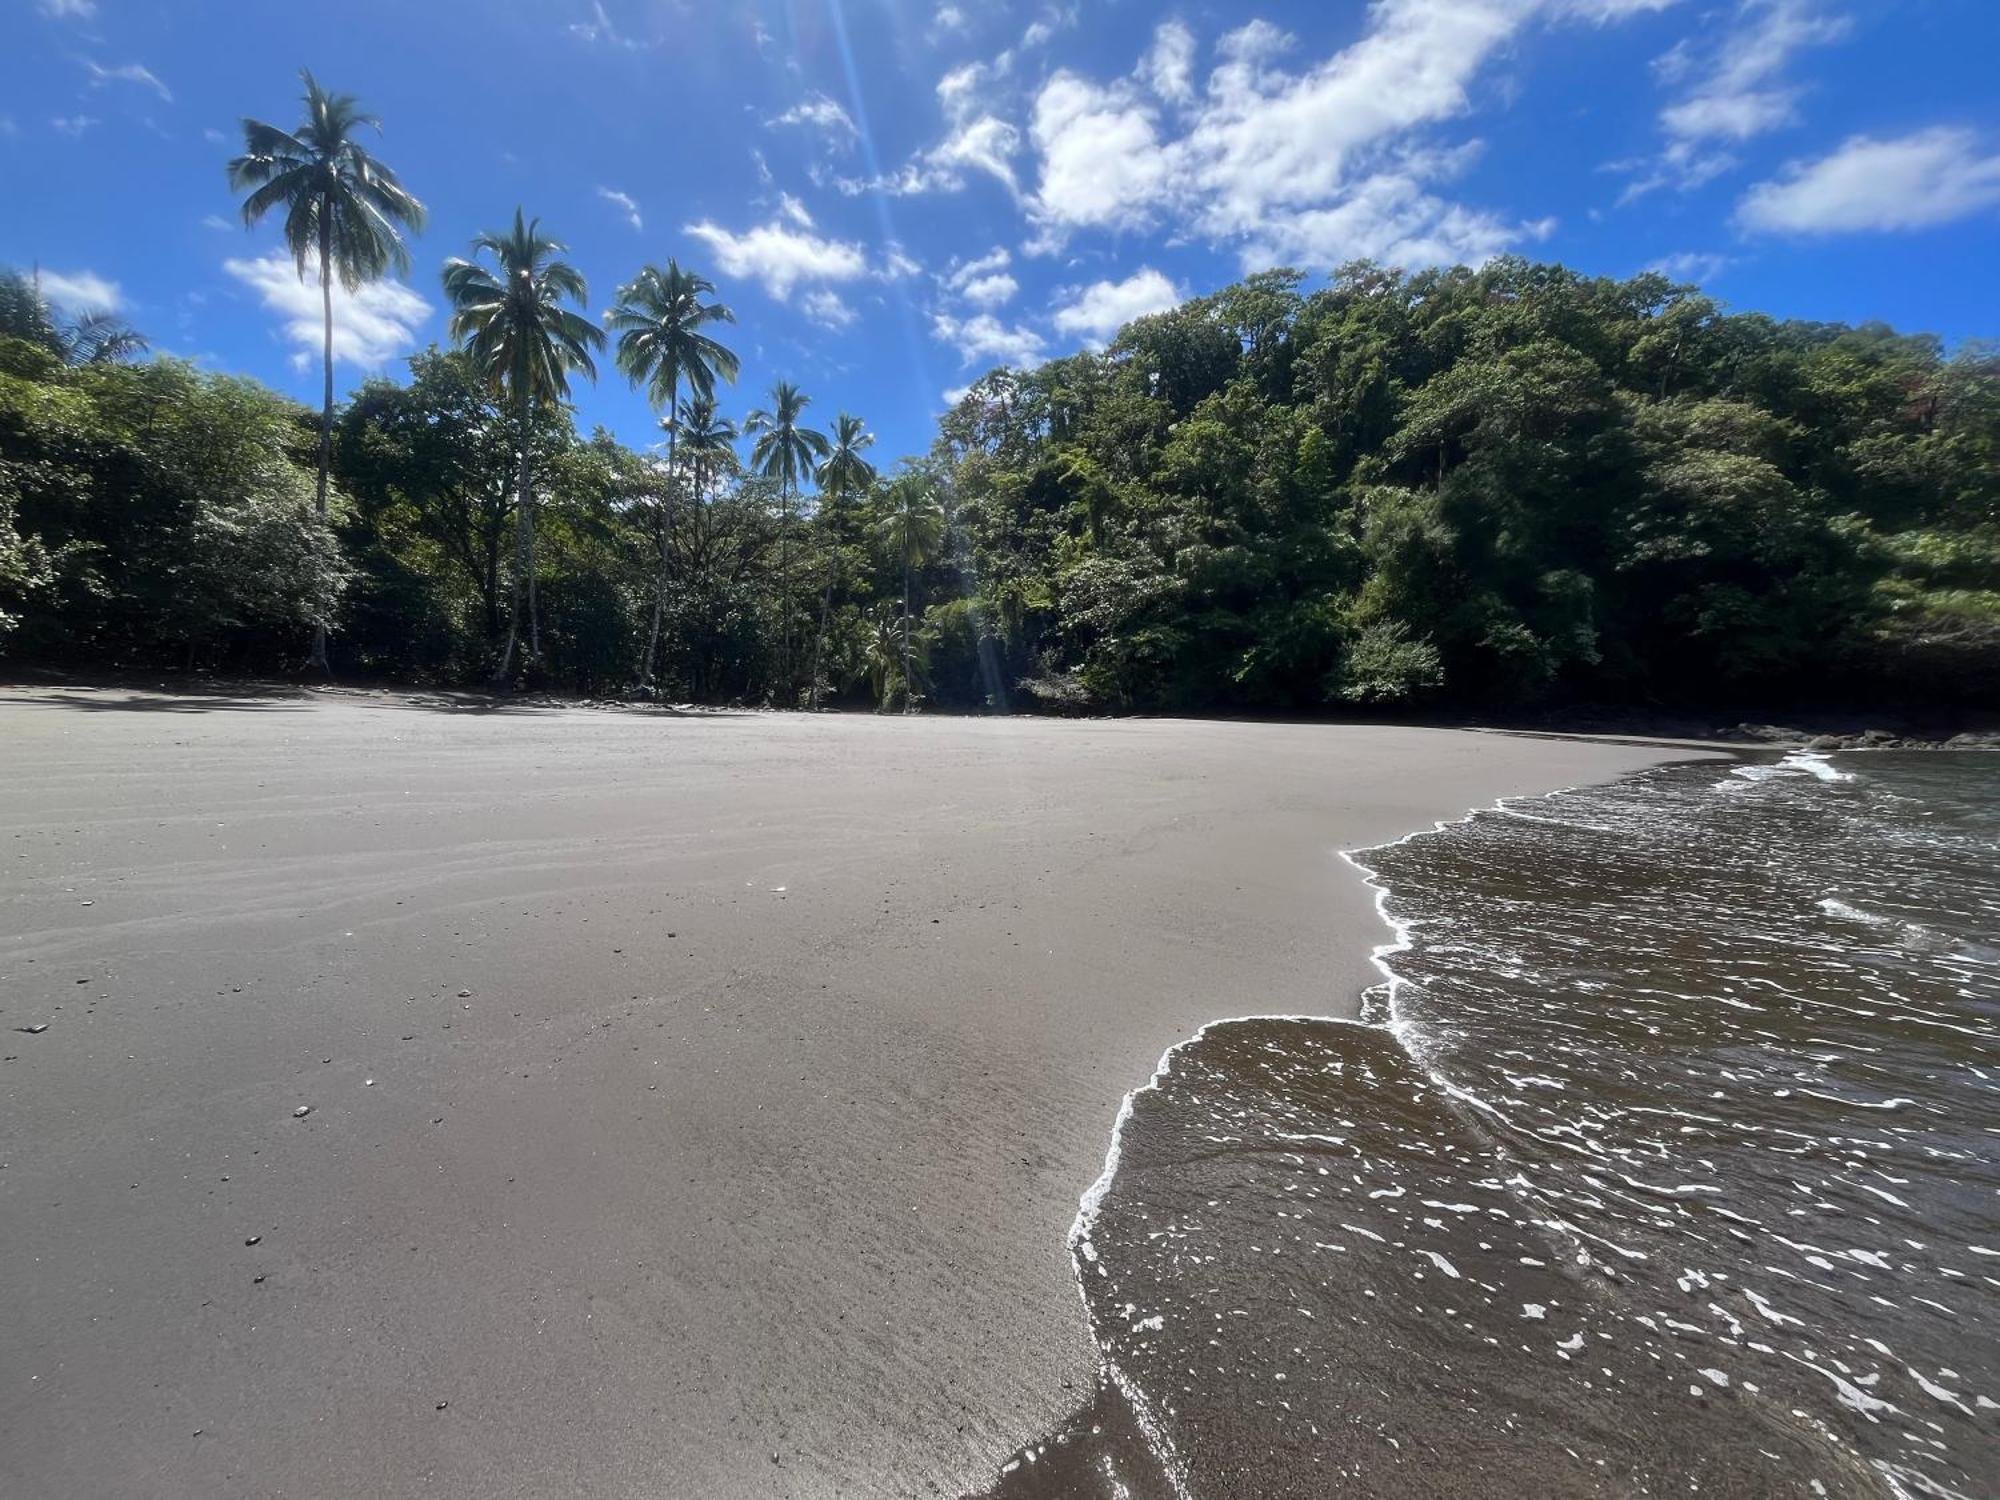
(320, 663)
(906, 619)
(660, 537)
(524, 564)
(785, 595)
(819, 639)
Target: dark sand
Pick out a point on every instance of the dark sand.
(744, 1165)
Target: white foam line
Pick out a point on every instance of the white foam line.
(1083, 1254)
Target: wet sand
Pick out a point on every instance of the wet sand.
(697, 1105)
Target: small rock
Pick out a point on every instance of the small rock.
(257, 1280)
(35, 1030)
(302, 1111)
(255, 1239)
(465, 994)
(443, 1404)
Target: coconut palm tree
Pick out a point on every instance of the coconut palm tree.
(659, 317)
(787, 452)
(844, 475)
(86, 338)
(524, 344)
(342, 209)
(910, 530)
(707, 441)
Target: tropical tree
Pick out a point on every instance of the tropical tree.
(787, 452)
(342, 208)
(524, 343)
(707, 441)
(90, 337)
(910, 530)
(844, 475)
(659, 318)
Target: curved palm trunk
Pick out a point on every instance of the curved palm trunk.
(320, 664)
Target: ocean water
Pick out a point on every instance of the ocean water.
(1666, 1162)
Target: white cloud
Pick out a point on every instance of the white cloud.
(370, 326)
(1102, 163)
(1603, 11)
(1168, 67)
(127, 73)
(990, 291)
(624, 202)
(1696, 266)
(217, 222)
(897, 265)
(1102, 308)
(827, 308)
(1744, 93)
(780, 257)
(983, 338)
(1916, 181)
(599, 29)
(68, 10)
(74, 125)
(794, 210)
(817, 112)
(81, 291)
(949, 19)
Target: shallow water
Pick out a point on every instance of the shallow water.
(1670, 1166)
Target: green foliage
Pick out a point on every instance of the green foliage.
(1499, 486)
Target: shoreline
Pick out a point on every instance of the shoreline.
(1156, 865)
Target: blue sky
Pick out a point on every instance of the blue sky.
(895, 194)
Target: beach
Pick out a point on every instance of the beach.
(563, 1100)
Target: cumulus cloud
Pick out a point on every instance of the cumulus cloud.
(127, 73)
(819, 113)
(81, 291)
(984, 339)
(371, 326)
(1914, 181)
(625, 203)
(984, 281)
(780, 256)
(1099, 310)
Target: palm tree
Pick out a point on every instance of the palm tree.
(87, 338)
(785, 451)
(910, 530)
(524, 343)
(709, 441)
(893, 654)
(659, 317)
(342, 207)
(844, 475)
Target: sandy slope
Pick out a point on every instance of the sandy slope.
(744, 1163)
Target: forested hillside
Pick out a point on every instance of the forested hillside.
(1505, 486)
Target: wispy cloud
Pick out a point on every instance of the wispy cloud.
(1732, 90)
(598, 30)
(1915, 181)
(74, 125)
(1694, 266)
(827, 308)
(371, 326)
(626, 203)
(132, 72)
(818, 112)
(81, 291)
(67, 10)
(984, 281)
